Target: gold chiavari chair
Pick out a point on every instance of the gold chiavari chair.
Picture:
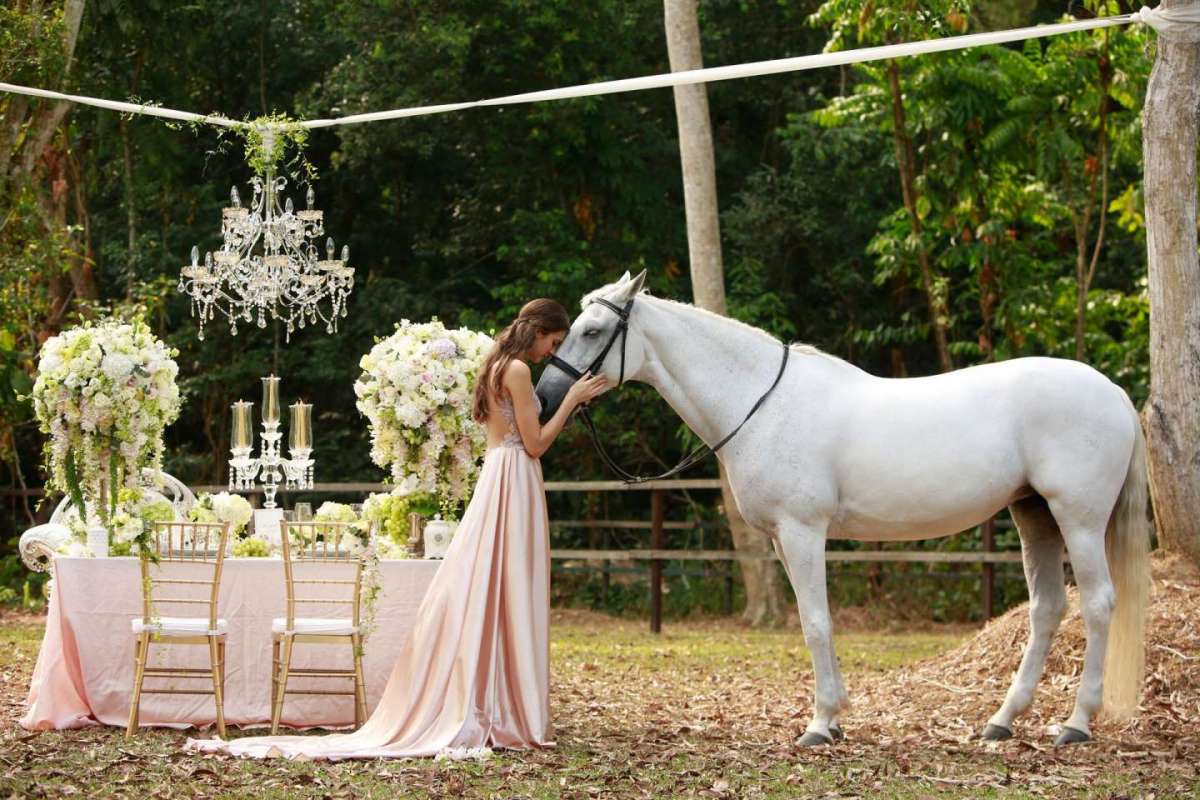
(319, 549)
(187, 558)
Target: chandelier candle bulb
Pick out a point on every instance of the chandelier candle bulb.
(300, 439)
(234, 199)
(270, 412)
(310, 199)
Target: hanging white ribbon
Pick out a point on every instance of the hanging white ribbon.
(1174, 22)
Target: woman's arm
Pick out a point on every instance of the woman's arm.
(537, 438)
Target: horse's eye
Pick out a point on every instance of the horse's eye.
(591, 332)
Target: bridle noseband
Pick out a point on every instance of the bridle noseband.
(622, 330)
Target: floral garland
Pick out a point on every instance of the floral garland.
(416, 392)
(104, 393)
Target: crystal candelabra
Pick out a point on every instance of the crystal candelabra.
(288, 280)
(296, 472)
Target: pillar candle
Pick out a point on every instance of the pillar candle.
(301, 427)
(270, 412)
(243, 425)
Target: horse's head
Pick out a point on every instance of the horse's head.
(595, 334)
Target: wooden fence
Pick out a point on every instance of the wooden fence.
(657, 554)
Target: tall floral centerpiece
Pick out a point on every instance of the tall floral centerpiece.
(104, 393)
(417, 392)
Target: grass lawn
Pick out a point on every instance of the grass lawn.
(707, 709)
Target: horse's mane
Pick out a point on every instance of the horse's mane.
(796, 347)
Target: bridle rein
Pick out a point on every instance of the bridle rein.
(622, 330)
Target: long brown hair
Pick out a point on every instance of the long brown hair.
(537, 317)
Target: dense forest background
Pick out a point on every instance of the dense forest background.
(1000, 216)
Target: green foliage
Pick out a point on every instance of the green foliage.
(267, 140)
(31, 43)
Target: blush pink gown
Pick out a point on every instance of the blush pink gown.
(475, 671)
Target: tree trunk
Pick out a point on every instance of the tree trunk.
(907, 165)
(1085, 272)
(1172, 413)
(131, 219)
(766, 602)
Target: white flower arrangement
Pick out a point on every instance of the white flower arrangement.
(223, 507)
(104, 393)
(417, 392)
(136, 512)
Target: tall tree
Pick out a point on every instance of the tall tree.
(28, 159)
(895, 23)
(765, 598)
(44, 262)
(1173, 410)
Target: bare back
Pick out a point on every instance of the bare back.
(501, 422)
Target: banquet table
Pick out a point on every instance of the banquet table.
(84, 670)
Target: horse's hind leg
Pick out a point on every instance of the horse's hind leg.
(1096, 601)
(802, 549)
(1041, 553)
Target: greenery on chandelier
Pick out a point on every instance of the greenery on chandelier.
(268, 139)
(465, 216)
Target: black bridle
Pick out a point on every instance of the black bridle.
(692, 458)
(621, 330)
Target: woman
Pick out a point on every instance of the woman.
(475, 672)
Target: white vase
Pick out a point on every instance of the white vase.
(97, 540)
(436, 536)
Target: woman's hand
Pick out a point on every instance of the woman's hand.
(586, 389)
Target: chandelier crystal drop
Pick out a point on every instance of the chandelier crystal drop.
(269, 264)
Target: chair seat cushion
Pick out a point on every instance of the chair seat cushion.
(180, 626)
(343, 627)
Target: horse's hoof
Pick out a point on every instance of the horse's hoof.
(814, 739)
(836, 733)
(1070, 736)
(996, 733)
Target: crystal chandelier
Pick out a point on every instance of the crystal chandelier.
(286, 280)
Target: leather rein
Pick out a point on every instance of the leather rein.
(692, 458)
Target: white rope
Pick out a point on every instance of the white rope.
(114, 105)
(712, 74)
(1165, 21)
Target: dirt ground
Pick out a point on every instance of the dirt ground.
(711, 709)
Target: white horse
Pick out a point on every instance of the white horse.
(836, 452)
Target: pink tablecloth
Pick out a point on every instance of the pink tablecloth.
(84, 671)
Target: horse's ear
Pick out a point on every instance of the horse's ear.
(624, 278)
(637, 283)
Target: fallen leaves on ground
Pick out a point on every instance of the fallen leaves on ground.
(712, 710)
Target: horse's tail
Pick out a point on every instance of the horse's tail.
(1127, 547)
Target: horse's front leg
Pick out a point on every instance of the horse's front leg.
(801, 546)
